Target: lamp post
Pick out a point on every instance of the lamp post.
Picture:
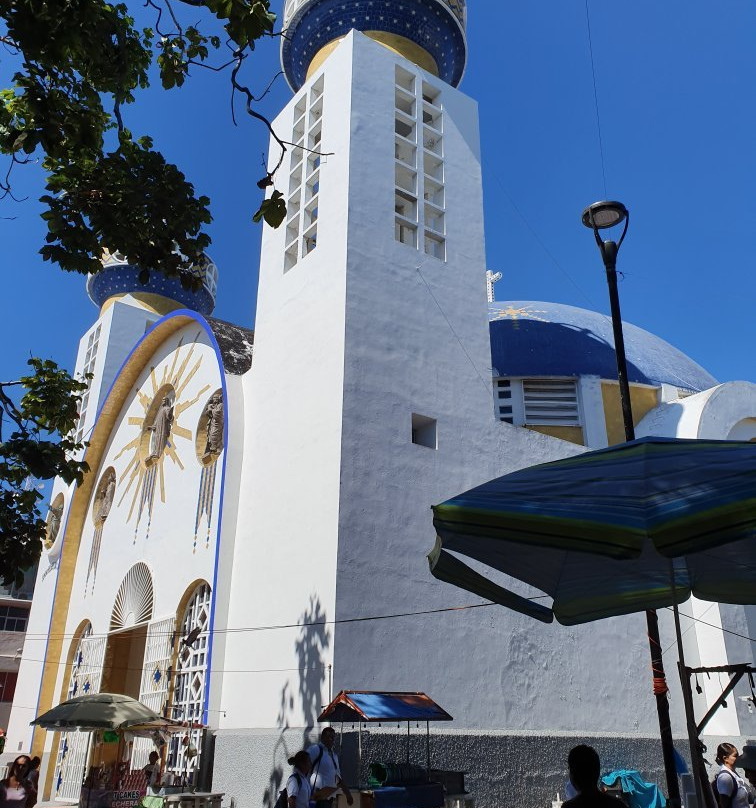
(600, 216)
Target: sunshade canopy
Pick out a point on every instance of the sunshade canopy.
(602, 532)
(97, 711)
(370, 705)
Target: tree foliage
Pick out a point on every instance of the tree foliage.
(38, 415)
(81, 63)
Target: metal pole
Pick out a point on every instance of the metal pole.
(609, 255)
(704, 797)
(408, 746)
(359, 754)
(86, 768)
(427, 747)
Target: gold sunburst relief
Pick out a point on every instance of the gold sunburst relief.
(159, 432)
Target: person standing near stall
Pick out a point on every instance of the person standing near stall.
(729, 787)
(325, 776)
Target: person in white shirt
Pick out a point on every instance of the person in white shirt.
(152, 770)
(325, 775)
(298, 788)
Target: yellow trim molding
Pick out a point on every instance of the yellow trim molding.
(122, 388)
(394, 42)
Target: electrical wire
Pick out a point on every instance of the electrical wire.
(595, 97)
(341, 621)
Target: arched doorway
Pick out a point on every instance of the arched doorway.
(85, 662)
(132, 611)
(190, 686)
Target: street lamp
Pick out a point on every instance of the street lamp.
(600, 216)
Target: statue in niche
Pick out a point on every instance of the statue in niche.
(104, 499)
(53, 524)
(161, 428)
(215, 420)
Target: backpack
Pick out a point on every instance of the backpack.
(315, 768)
(717, 795)
(283, 795)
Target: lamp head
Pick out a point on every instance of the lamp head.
(601, 215)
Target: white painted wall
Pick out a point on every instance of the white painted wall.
(724, 412)
(287, 529)
(417, 340)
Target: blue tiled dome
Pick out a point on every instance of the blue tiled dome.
(122, 278)
(434, 25)
(531, 338)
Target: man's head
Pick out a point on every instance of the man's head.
(585, 767)
(328, 737)
(153, 757)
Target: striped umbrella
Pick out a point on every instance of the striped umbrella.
(639, 526)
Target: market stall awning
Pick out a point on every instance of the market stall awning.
(372, 705)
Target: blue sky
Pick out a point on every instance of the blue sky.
(674, 85)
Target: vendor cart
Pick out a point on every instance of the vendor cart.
(398, 784)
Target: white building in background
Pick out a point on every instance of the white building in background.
(248, 509)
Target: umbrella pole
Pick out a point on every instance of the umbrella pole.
(652, 619)
(427, 747)
(662, 708)
(86, 767)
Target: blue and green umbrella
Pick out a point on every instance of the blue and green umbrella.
(639, 526)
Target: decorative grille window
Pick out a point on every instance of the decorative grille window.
(86, 675)
(133, 602)
(304, 177)
(191, 679)
(156, 673)
(419, 201)
(89, 365)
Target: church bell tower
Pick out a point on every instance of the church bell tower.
(371, 379)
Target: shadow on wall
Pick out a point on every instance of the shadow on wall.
(311, 646)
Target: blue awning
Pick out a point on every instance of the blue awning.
(371, 705)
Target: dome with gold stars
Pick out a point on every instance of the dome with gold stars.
(533, 338)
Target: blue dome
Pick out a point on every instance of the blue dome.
(434, 25)
(530, 338)
(122, 278)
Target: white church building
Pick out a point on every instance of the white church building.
(254, 498)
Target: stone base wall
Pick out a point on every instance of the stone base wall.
(503, 770)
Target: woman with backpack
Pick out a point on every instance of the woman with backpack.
(298, 788)
(729, 787)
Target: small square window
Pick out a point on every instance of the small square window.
(424, 431)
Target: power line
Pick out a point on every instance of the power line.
(486, 384)
(595, 97)
(344, 620)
